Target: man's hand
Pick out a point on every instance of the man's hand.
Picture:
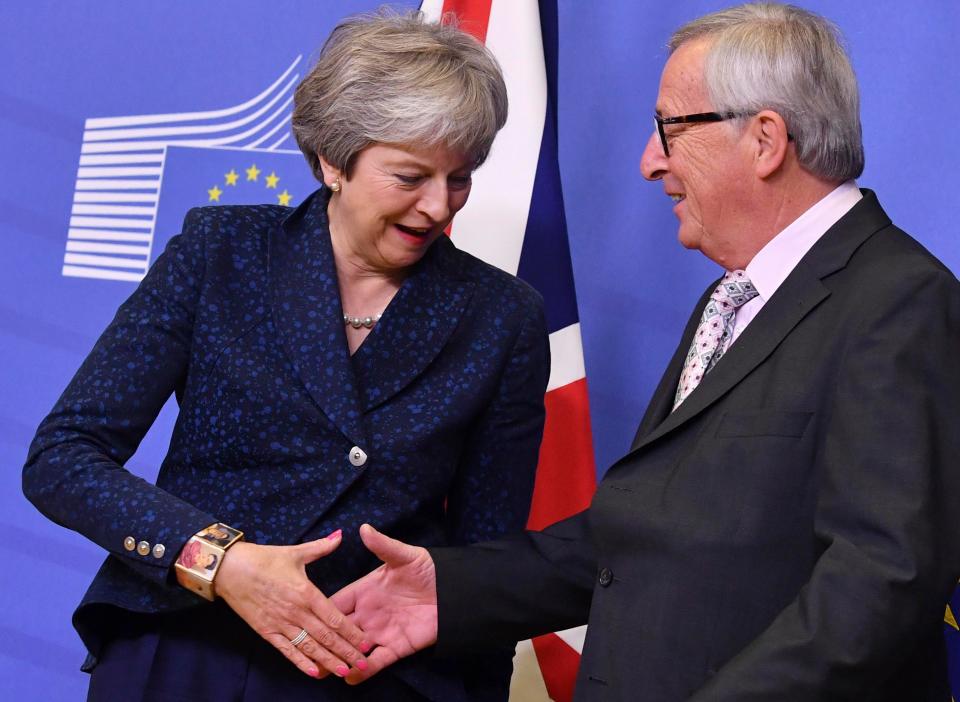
(268, 587)
(395, 605)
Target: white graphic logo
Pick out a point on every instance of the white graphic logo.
(122, 159)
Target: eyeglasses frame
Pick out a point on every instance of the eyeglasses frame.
(699, 117)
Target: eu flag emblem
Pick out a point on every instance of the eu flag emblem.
(195, 176)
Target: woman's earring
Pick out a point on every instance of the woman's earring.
(335, 185)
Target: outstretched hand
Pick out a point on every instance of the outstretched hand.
(268, 587)
(395, 605)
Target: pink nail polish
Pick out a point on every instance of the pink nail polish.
(335, 535)
(342, 670)
(361, 664)
(365, 647)
(314, 673)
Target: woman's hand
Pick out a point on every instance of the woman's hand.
(268, 587)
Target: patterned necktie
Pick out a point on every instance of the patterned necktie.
(715, 331)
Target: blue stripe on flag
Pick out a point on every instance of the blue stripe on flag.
(545, 257)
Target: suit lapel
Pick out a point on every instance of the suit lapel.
(414, 328)
(793, 301)
(308, 315)
(661, 403)
(801, 292)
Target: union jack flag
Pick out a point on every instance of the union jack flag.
(515, 220)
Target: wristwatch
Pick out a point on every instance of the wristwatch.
(201, 557)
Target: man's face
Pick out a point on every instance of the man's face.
(707, 173)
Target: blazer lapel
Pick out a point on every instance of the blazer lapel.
(415, 326)
(308, 315)
(797, 296)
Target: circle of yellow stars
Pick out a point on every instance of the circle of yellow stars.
(253, 175)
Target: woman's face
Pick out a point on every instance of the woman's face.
(396, 203)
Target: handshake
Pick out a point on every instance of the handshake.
(386, 615)
(395, 605)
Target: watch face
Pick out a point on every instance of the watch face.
(200, 558)
(219, 534)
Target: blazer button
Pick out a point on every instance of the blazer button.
(143, 548)
(129, 543)
(605, 577)
(357, 457)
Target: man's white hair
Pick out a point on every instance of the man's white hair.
(783, 58)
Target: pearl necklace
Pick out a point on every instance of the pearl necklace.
(357, 322)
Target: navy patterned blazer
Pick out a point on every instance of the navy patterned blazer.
(241, 318)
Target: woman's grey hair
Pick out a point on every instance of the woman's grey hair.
(394, 78)
(783, 58)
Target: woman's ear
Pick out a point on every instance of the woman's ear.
(331, 174)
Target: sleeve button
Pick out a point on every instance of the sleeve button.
(129, 543)
(159, 550)
(143, 548)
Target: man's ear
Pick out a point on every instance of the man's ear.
(330, 173)
(770, 141)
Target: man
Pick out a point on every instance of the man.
(782, 526)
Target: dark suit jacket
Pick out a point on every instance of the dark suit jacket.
(790, 532)
(241, 318)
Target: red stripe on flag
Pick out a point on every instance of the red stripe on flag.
(474, 15)
(558, 665)
(566, 475)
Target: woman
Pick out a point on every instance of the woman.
(337, 363)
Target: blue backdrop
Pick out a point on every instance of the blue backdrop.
(63, 63)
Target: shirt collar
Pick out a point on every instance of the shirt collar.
(774, 262)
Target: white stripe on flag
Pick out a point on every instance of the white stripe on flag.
(566, 357)
(574, 637)
(431, 9)
(492, 224)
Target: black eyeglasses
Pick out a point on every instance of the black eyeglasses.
(689, 119)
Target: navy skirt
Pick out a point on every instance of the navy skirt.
(208, 654)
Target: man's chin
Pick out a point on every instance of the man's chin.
(688, 241)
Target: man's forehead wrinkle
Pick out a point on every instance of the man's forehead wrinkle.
(673, 99)
(682, 86)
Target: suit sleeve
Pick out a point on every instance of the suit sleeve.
(528, 584)
(887, 483)
(75, 472)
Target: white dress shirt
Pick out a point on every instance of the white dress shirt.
(774, 262)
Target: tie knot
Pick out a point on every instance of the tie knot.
(734, 290)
